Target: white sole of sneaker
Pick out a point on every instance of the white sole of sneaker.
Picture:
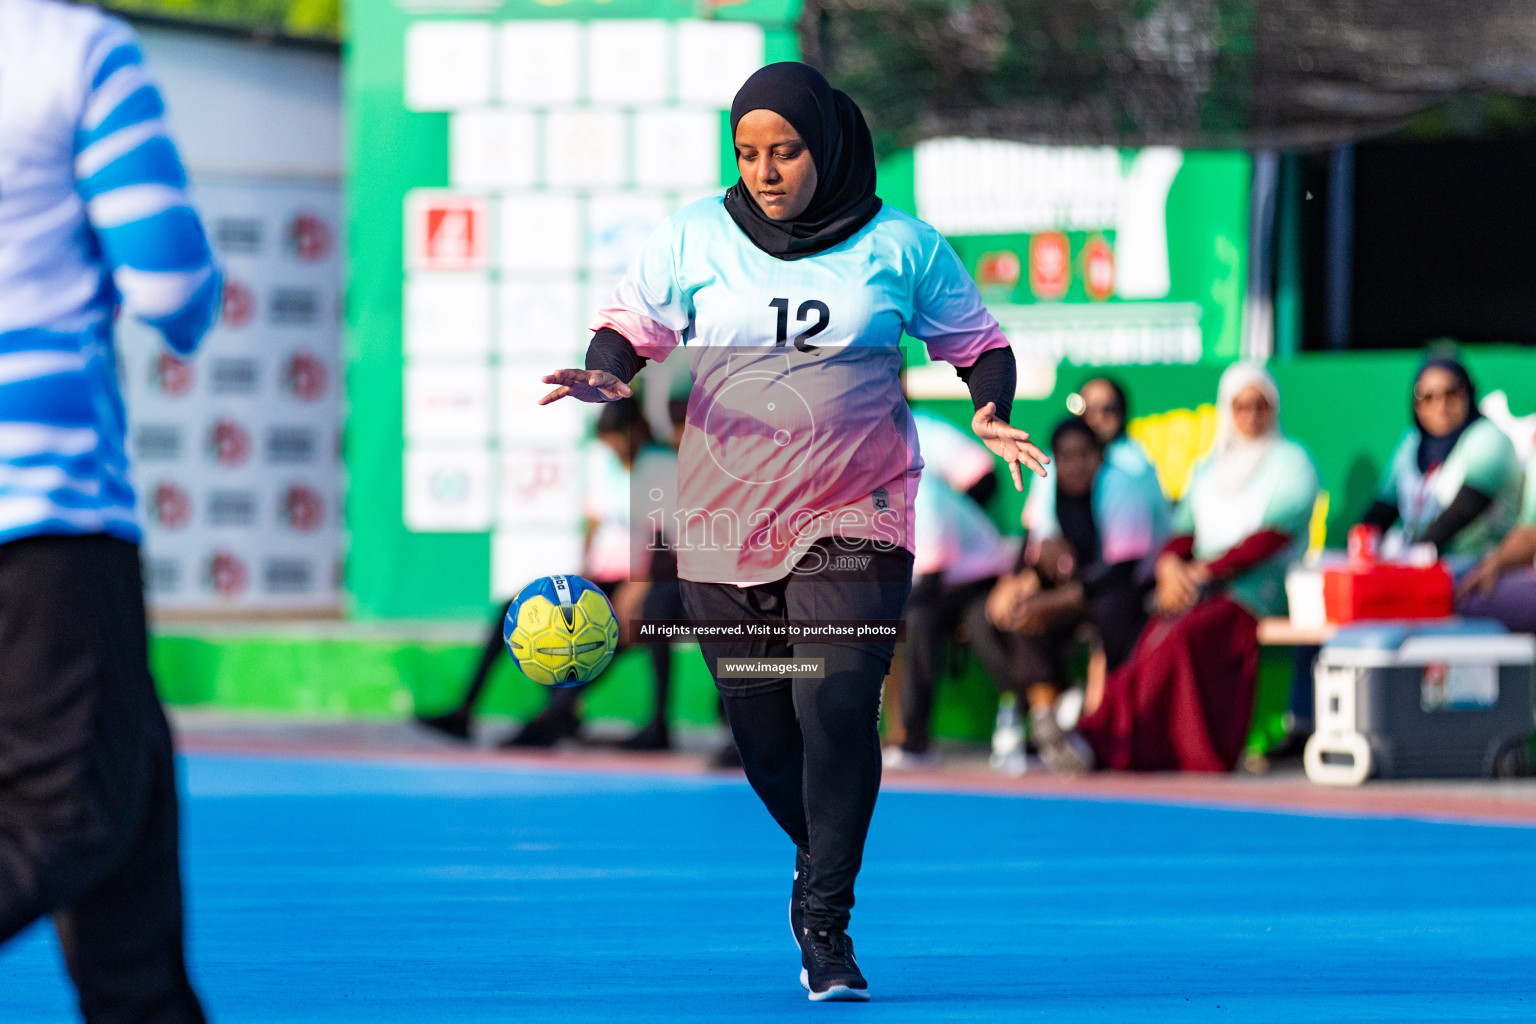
(834, 994)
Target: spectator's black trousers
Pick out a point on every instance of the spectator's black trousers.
(811, 747)
(933, 613)
(88, 819)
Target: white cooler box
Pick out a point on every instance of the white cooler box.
(1442, 699)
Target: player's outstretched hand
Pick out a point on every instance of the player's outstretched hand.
(586, 386)
(1008, 443)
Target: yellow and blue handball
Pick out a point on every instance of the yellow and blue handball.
(561, 630)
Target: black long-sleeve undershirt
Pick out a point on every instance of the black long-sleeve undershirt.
(611, 351)
(1381, 514)
(991, 378)
(1468, 504)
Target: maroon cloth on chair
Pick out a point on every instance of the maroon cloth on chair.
(1183, 701)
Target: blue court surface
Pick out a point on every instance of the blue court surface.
(328, 890)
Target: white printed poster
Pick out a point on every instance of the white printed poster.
(569, 144)
(236, 450)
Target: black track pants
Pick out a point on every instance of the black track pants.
(88, 817)
(811, 747)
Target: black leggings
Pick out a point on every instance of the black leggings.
(812, 754)
(933, 612)
(811, 747)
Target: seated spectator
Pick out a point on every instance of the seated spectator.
(1079, 566)
(1184, 698)
(1107, 410)
(1103, 405)
(958, 556)
(954, 454)
(1503, 585)
(1454, 480)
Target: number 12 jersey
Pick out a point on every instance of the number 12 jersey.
(797, 425)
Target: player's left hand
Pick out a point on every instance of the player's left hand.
(1008, 443)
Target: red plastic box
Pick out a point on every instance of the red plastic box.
(1387, 592)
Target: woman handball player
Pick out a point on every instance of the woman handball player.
(799, 465)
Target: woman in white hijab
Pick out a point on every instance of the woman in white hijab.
(1184, 698)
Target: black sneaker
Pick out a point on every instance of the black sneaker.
(833, 974)
(797, 898)
(454, 724)
(655, 736)
(727, 758)
(545, 730)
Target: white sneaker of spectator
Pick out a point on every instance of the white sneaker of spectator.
(1008, 738)
(897, 759)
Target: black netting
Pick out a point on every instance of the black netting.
(1184, 72)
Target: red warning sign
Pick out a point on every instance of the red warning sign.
(449, 233)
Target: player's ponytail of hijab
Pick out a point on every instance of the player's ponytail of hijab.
(840, 146)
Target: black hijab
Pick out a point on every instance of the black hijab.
(1434, 450)
(1074, 512)
(838, 140)
(1125, 403)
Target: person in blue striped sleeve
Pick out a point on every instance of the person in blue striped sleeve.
(93, 216)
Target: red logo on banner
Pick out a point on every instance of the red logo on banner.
(227, 574)
(171, 507)
(171, 376)
(303, 508)
(998, 269)
(540, 475)
(309, 237)
(1099, 269)
(304, 376)
(239, 304)
(450, 234)
(1050, 265)
(230, 443)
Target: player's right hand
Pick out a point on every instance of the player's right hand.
(586, 386)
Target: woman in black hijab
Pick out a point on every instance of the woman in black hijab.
(792, 292)
(1454, 481)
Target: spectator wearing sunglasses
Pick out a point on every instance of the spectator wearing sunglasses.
(1101, 403)
(1454, 480)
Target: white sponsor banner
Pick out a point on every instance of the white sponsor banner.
(447, 488)
(564, 157)
(447, 400)
(714, 58)
(520, 555)
(540, 62)
(236, 450)
(448, 315)
(537, 487)
(449, 64)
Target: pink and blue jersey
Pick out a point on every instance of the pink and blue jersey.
(797, 426)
